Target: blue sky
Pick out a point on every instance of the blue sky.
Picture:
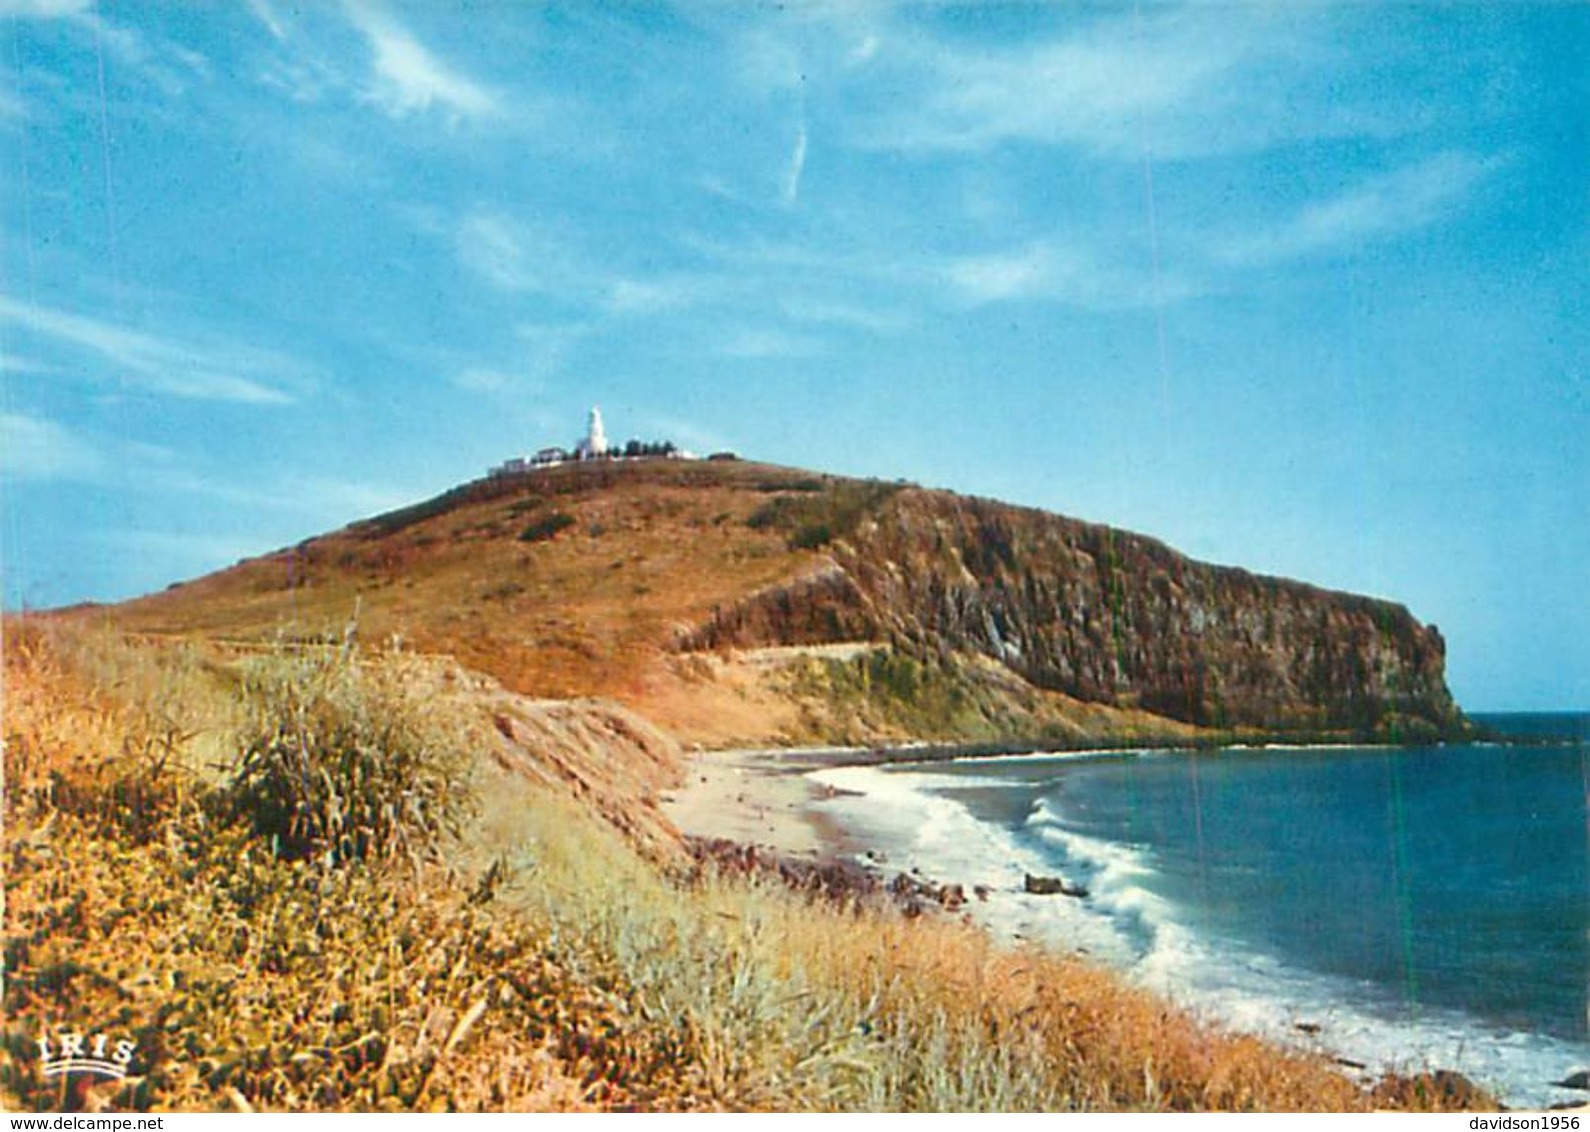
(1297, 287)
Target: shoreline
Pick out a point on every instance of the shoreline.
(928, 752)
(764, 796)
(760, 797)
(772, 799)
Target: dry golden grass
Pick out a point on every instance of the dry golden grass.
(652, 547)
(137, 903)
(545, 964)
(801, 1005)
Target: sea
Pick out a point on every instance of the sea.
(1397, 908)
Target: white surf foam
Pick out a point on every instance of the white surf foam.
(1128, 925)
(915, 828)
(1255, 992)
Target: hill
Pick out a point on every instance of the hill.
(312, 874)
(735, 602)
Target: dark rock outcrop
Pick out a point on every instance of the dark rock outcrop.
(820, 607)
(1050, 886)
(840, 882)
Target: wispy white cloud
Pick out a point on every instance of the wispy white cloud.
(1006, 275)
(547, 351)
(497, 382)
(804, 308)
(777, 51)
(1093, 88)
(1178, 80)
(492, 248)
(815, 284)
(645, 296)
(19, 365)
(759, 343)
(797, 166)
(670, 293)
(1047, 271)
(34, 448)
(303, 80)
(522, 374)
(267, 15)
(170, 67)
(746, 259)
(768, 58)
(137, 60)
(720, 188)
(1378, 208)
(409, 78)
(156, 364)
(163, 472)
(42, 9)
(515, 256)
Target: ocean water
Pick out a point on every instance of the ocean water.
(1423, 908)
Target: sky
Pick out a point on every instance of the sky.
(1299, 287)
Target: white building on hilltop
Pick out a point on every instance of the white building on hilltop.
(594, 445)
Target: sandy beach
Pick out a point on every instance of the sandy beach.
(760, 797)
(767, 797)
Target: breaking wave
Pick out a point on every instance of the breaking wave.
(1127, 922)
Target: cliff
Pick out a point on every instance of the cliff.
(1106, 617)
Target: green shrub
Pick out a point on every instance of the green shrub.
(811, 536)
(343, 761)
(544, 528)
(764, 516)
(820, 513)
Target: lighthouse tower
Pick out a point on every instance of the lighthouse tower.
(595, 442)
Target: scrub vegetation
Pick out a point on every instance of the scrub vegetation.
(294, 877)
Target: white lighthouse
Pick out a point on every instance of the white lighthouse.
(595, 443)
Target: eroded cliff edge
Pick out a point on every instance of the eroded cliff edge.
(1099, 614)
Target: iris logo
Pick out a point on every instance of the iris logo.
(93, 1054)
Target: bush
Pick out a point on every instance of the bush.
(816, 514)
(339, 760)
(811, 536)
(765, 516)
(545, 528)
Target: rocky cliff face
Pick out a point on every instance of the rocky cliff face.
(1107, 617)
